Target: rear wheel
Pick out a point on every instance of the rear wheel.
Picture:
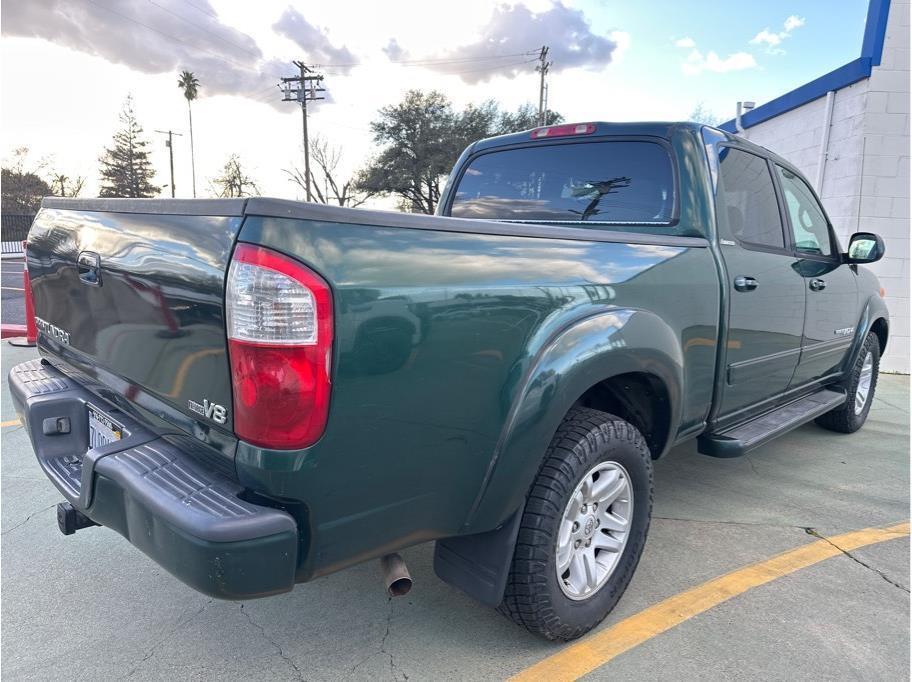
(583, 527)
(859, 385)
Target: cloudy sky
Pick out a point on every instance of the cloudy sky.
(67, 66)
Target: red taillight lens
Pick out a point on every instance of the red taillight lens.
(279, 319)
(564, 130)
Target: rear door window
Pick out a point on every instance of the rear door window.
(612, 182)
(746, 200)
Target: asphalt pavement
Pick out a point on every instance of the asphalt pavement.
(11, 291)
(90, 606)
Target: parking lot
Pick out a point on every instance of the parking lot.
(11, 291)
(89, 606)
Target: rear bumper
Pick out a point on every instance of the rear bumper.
(188, 519)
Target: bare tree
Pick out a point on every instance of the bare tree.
(63, 185)
(22, 183)
(325, 183)
(233, 181)
(25, 182)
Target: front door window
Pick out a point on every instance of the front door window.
(809, 225)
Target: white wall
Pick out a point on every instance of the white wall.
(885, 177)
(866, 173)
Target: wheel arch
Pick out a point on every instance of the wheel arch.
(874, 318)
(881, 329)
(614, 360)
(608, 361)
(640, 398)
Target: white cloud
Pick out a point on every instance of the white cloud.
(622, 41)
(793, 22)
(773, 40)
(697, 63)
(511, 30)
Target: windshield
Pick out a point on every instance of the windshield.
(614, 182)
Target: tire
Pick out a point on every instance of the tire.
(851, 415)
(536, 597)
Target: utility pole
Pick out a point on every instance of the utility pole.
(302, 88)
(170, 147)
(542, 68)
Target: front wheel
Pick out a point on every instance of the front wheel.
(859, 385)
(583, 528)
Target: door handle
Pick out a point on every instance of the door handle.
(743, 283)
(817, 285)
(88, 265)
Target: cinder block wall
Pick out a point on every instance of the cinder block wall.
(866, 176)
(885, 176)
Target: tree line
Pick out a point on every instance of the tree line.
(417, 142)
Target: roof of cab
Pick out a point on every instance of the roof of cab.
(663, 129)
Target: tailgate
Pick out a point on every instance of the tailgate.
(131, 293)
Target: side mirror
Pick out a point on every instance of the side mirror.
(864, 247)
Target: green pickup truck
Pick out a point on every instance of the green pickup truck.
(259, 392)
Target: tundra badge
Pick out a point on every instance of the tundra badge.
(213, 411)
(52, 331)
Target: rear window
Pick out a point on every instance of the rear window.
(620, 182)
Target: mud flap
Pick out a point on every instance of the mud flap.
(479, 564)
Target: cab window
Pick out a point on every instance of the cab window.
(626, 183)
(746, 200)
(810, 230)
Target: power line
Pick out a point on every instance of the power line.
(303, 88)
(542, 68)
(204, 11)
(209, 13)
(265, 92)
(169, 144)
(171, 37)
(490, 68)
(425, 62)
(215, 35)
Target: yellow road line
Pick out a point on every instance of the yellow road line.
(11, 422)
(594, 651)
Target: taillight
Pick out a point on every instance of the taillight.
(280, 328)
(564, 130)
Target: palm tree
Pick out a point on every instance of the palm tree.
(190, 86)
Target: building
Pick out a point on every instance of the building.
(848, 131)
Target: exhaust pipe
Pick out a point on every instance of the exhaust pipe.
(395, 575)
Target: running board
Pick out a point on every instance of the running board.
(742, 438)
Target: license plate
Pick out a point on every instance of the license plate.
(102, 429)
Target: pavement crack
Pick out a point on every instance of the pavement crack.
(278, 647)
(181, 622)
(394, 669)
(889, 404)
(730, 523)
(26, 520)
(752, 465)
(395, 672)
(813, 532)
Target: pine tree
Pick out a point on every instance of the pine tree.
(126, 170)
